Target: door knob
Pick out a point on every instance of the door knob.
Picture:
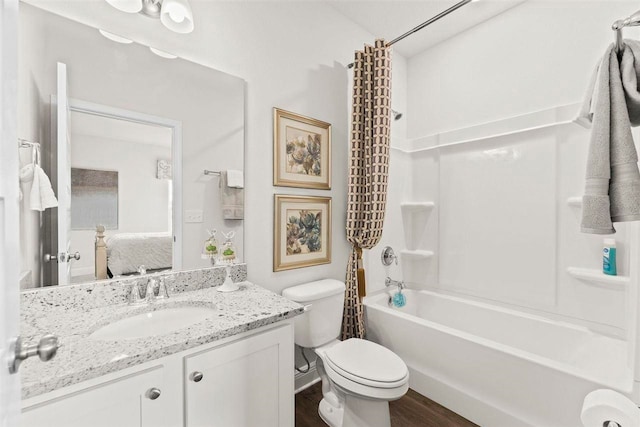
(153, 393)
(75, 256)
(196, 376)
(61, 257)
(46, 349)
(49, 257)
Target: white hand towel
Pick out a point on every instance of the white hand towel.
(235, 178)
(26, 176)
(42, 196)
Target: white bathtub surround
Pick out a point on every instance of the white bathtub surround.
(81, 358)
(497, 366)
(612, 190)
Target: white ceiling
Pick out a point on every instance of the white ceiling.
(121, 130)
(390, 19)
(382, 18)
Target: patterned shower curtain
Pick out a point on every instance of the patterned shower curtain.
(368, 172)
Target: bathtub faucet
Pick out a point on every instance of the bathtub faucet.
(390, 282)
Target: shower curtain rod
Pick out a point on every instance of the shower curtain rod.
(426, 23)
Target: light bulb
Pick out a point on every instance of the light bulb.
(176, 15)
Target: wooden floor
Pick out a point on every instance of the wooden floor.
(411, 410)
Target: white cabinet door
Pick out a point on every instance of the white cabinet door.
(246, 383)
(122, 402)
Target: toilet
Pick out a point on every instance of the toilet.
(359, 377)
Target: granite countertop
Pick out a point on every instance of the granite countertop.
(82, 358)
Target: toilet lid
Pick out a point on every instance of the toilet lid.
(367, 363)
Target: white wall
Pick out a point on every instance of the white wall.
(537, 55)
(501, 229)
(143, 200)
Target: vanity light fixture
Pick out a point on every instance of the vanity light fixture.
(162, 53)
(129, 6)
(176, 15)
(114, 37)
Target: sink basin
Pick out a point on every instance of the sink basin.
(153, 323)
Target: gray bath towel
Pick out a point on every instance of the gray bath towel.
(612, 104)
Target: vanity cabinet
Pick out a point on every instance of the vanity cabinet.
(130, 401)
(245, 383)
(241, 381)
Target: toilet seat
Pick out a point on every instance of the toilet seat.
(367, 369)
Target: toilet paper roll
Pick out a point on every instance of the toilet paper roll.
(605, 405)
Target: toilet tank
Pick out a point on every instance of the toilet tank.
(322, 321)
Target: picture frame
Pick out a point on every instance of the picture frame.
(302, 231)
(301, 151)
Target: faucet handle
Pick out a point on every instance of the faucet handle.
(163, 292)
(134, 293)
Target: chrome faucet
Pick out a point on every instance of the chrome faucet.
(155, 289)
(390, 282)
(152, 285)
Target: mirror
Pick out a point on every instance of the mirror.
(125, 137)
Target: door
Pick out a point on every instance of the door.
(64, 178)
(9, 210)
(245, 383)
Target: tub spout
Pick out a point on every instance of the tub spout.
(390, 282)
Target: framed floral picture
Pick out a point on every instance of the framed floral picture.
(302, 231)
(301, 151)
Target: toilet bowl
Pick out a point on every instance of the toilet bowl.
(359, 377)
(362, 378)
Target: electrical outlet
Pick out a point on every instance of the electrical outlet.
(193, 216)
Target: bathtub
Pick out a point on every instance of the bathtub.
(495, 366)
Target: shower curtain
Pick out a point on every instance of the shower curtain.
(368, 172)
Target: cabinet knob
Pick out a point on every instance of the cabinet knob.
(153, 393)
(196, 376)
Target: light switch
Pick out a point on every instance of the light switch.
(193, 216)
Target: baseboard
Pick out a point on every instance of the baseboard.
(464, 404)
(307, 379)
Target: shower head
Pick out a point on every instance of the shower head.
(396, 115)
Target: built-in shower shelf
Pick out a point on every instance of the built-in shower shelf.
(575, 202)
(416, 206)
(597, 277)
(415, 255)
